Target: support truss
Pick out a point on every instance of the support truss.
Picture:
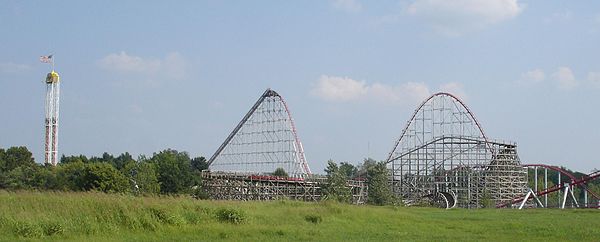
(443, 149)
(51, 121)
(264, 140)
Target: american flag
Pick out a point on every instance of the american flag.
(46, 58)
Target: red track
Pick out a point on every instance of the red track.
(555, 188)
(566, 173)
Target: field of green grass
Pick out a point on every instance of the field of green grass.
(49, 216)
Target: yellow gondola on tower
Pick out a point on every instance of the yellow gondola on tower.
(52, 77)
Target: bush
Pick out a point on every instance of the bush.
(230, 215)
(280, 172)
(104, 177)
(165, 217)
(53, 229)
(27, 230)
(315, 219)
(198, 192)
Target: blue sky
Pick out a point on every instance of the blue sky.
(145, 76)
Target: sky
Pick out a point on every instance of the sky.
(143, 76)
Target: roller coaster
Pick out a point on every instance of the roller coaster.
(442, 158)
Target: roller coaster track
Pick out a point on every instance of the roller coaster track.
(266, 138)
(391, 154)
(558, 187)
(566, 173)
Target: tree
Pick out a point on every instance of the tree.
(103, 177)
(69, 176)
(280, 172)
(378, 177)
(15, 157)
(349, 170)
(70, 159)
(199, 163)
(2, 162)
(120, 161)
(336, 187)
(174, 171)
(142, 177)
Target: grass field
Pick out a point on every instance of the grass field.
(49, 216)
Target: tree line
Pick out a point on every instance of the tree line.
(174, 172)
(374, 173)
(166, 172)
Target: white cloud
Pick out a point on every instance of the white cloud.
(410, 92)
(458, 16)
(175, 65)
(339, 89)
(532, 77)
(344, 89)
(351, 6)
(455, 89)
(594, 78)
(172, 66)
(565, 78)
(10, 67)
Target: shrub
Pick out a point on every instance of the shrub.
(165, 217)
(53, 229)
(199, 193)
(230, 215)
(315, 219)
(27, 230)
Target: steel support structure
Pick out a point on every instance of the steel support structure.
(443, 149)
(569, 188)
(566, 188)
(263, 141)
(250, 187)
(52, 118)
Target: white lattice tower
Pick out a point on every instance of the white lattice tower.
(443, 149)
(51, 121)
(264, 140)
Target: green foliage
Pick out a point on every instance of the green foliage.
(336, 188)
(230, 215)
(378, 177)
(348, 169)
(73, 159)
(103, 177)
(487, 201)
(2, 161)
(70, 176)
(313, 218)
(51, 229)
(166, 217)
(143, 177)
(15, 157)
(27, 230)
(168, 171)
(199, 193)
(95, 216)
(199, 164)
(174, 171)
(280, 172)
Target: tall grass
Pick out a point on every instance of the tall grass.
(47, 216)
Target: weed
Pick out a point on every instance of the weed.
(165, 217)
(315, 219)
(27, 230)
(53, 229)
(230, 215)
